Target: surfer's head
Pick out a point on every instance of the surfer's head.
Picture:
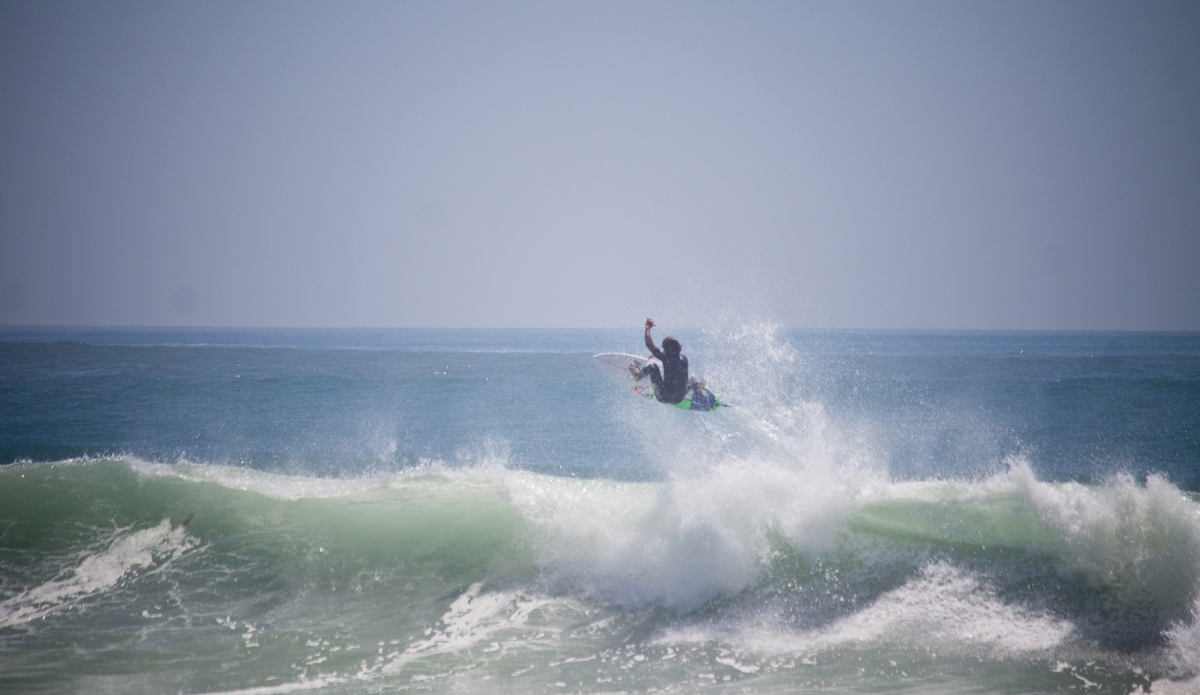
(671, 346)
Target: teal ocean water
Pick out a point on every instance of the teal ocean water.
(479, 511)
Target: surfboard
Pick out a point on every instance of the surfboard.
(615, 366)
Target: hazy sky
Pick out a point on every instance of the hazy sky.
(846, 164)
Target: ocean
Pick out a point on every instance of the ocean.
(482, 511)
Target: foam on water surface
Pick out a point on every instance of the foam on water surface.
(94, 571)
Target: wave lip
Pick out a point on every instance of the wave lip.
(274, 485)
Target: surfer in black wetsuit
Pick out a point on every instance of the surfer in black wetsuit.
(671, 384)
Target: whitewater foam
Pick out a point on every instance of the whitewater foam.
(683, 541)
(951, 610)
(474, 618)
(943, 609)
(1141, 539)
(95, 572)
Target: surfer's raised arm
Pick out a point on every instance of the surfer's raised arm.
(650, 341)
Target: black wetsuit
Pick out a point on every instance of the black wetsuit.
(671, 385)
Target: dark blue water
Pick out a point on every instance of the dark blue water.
(341, 402)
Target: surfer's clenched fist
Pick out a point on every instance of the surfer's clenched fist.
(649, 323)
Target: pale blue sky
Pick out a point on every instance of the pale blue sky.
(848, 164)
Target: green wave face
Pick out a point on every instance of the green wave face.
(143, 577)
(1004, 521)
(98, 564)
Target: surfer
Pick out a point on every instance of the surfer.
(671, 384)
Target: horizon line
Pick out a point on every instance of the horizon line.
(581, 328)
